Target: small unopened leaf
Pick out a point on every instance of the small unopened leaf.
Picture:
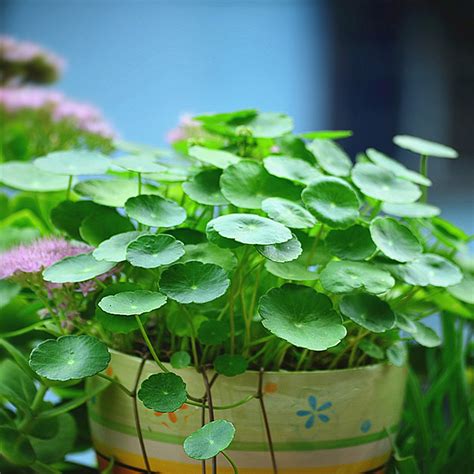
(164, 392)
(230, 365)
(210, 440)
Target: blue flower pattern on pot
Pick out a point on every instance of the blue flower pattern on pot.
(314, 412)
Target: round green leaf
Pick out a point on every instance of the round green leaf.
(114, 322)
(296, 270)
(397, 354)
(164, 392)
(132, 303)
(139, 163)
(250, 229)
(405, 323)
(332, 201)
(270, 125)
(247, 183)
(73, 163)
(69, 358)
(382, 160)
(115, 248)
(424, 147)
(218, 158)
(353, 243)
(187, 235)
(180, 360)
(194, 282)
(230, 365)
(368, 311)
(394, 240)
(204, 188)
(371, 349)
(464, 291)
(102, 225)
(425, 335)
(293, 169)
(27, 177)
(155, 211)
(381, 184)
(411, 210)
(428, 269)
(151, 251)
(222, 242)
(284, 252)
(332, 158)
(213, 332)
(16, 448)
(76, 269)
(111, 192)
(288, 213)
(210, 440)
(301, 316)
(346, 277)
(206, 252)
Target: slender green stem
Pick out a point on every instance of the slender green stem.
(245, 400)
(69, 186)
(424, 172)
(139, 183)
(232, 463)
(314, 245)
(193, 337)
(32, 327)
(150, 345)
(301, 360)
(119, 385)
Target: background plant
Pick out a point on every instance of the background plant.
(268, 250)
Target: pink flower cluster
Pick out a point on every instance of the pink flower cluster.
(87, 117)
(24, 52)
(34, 257)
(187, 128)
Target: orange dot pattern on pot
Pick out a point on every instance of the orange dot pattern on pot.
(270, 387)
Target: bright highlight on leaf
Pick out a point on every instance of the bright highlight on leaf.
(131, 303)
(301, 316)
(164, 392)
(70, 358)
(210, 440)
(332, 159)
(74, 163)
(415, 210)
(218, 158)
(424, 147)
(139, 163)
(292, 169)
(284, 252)
(152, 251)
(288, 213)
(155, 211)
(115, 248)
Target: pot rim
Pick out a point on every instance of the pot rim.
(281, 372)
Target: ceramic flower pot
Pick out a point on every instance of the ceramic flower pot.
(321, 422)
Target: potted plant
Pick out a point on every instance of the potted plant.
(251, 304)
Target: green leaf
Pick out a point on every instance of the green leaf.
(270, 125)
(44, 428)
(213, 332)
(142, 163)
(163, 393)
(397, 354)
(425, 335)
(151, 251)
(383, 161)
(247, 183)
(412, 210)
(69, 358)
(76, 269)
(464, 291)
(428, 269)
(332, 201)
(15, 447)
(102, 225)
(424, 147)
(115, 248)
(293, 169)
(112, 192)
(353, 243)
(218, 158)
(346, 277)
(327, 134)
(381, 184)
(230, 365)
(210, 440)
(284, 252)
(368, 311)
(8, 291)
(296, 270)
(331, 157)
(239, 116)
(250, 229)
(394, 240)
(115, 322)
(301, 316)
(187, 235)
(16, 386)
(288, 213)
(155, 211)
(73, 163)
(404, 323)
(371, 349)
(194, 282)
(204, 188)
(27, 177)
(206, 252)
(222, 242)
(132, 303)
(180, 360)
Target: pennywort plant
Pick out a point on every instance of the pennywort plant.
(253, 249)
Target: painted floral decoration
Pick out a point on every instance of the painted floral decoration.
(314, 412)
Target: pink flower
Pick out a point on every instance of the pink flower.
(187, 128)
(275, 149)
(34, 257)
